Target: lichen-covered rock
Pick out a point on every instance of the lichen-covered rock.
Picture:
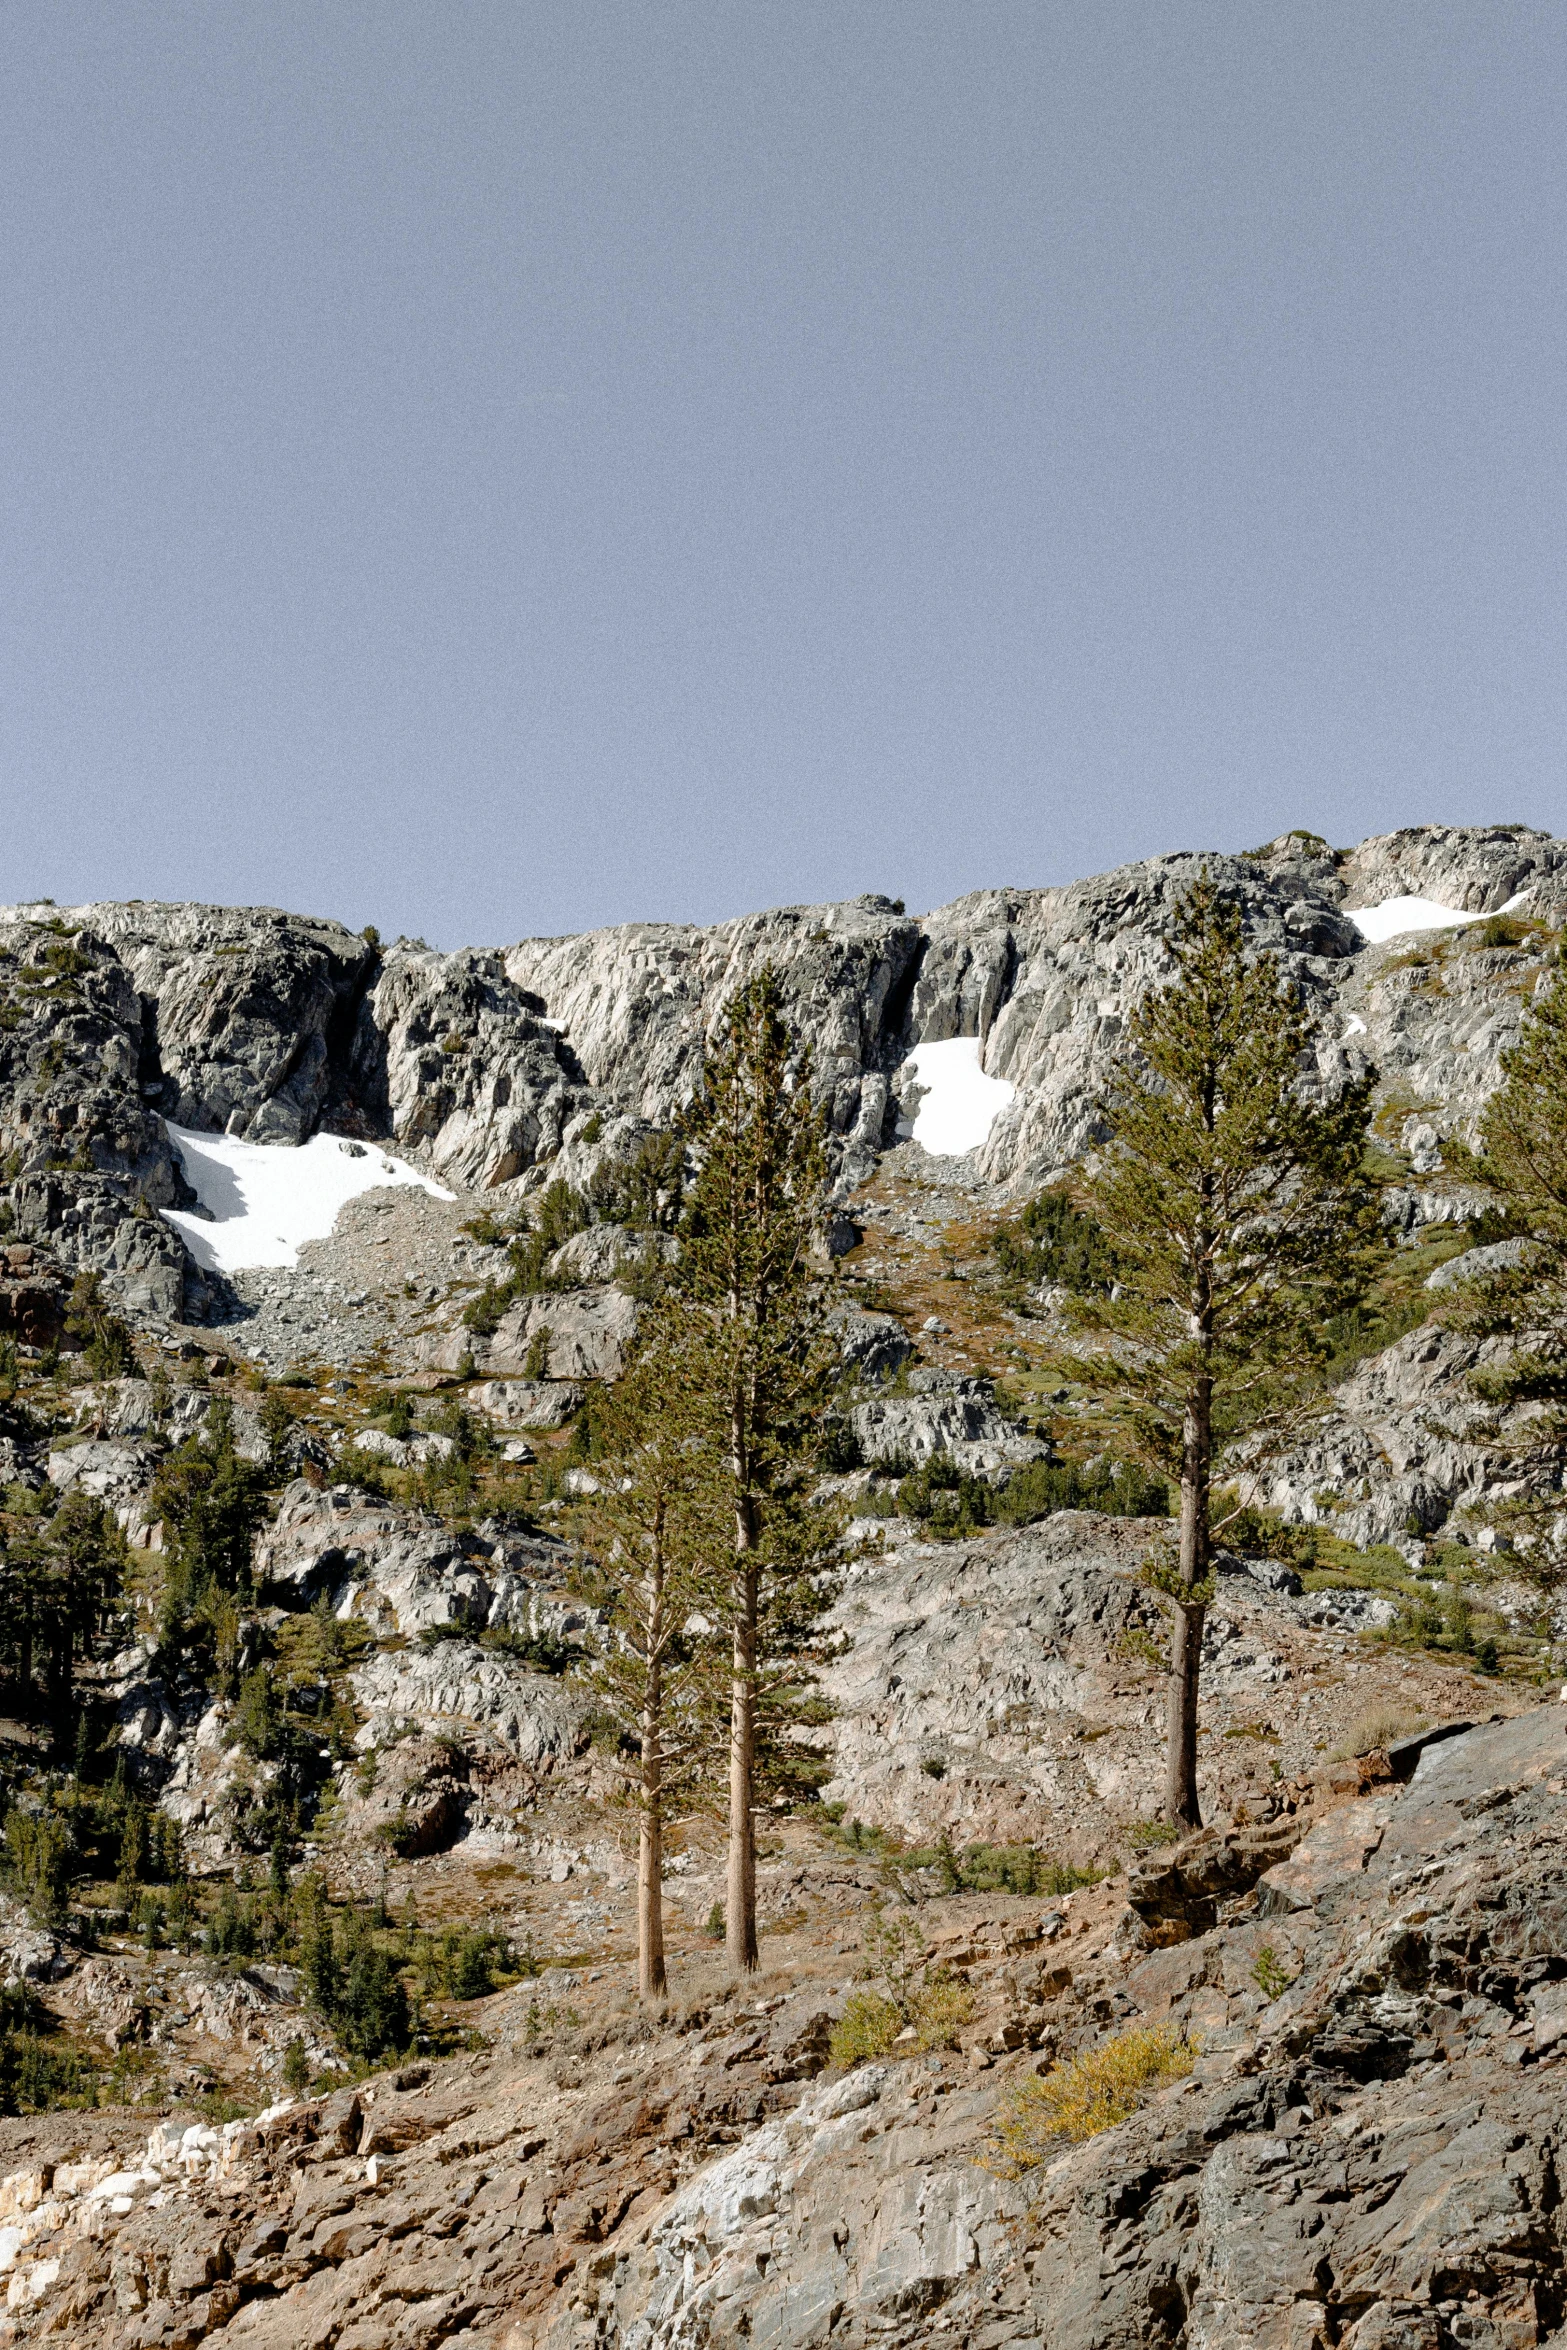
(758, 2239)
(527, 1403)
(873, 1346)
(977, 1658)
(403, 1573)
(946, 1414)
(459, 1685)
(639, 1003)
(1403, 1445)
(34, 1296)
(414, 1797)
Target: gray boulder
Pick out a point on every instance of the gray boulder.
(585, 1333)
(1497, 1255)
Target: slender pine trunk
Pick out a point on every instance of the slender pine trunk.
(1181, 1804)
(652, 1981)
(740, 1943)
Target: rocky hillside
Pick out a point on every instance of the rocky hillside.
(317, 1925)
(1360, 2145)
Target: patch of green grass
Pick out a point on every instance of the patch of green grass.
(1143, 1835)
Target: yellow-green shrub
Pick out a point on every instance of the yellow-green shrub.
(867, 2028)
(939, 2010)
(1090, 2092)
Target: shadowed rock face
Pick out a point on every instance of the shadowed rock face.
(450, 1058)
(88, 1163)
(245, 1011)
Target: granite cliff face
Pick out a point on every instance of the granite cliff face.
(489, 1068)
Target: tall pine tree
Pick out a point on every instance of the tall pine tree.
(658, 1523)
(1523, 1159)
(762, 1372)
(1241, 1217)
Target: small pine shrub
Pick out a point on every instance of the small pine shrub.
(1089, 2093)
(469, 1963)
(1267, 1972)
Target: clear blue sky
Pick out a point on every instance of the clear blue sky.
(499, 469)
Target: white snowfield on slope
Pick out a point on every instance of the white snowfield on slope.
(960, 1104)
(266, 1199)
(1394, 916)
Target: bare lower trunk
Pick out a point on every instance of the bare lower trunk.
(1181, 1803)
(740, 1943)
(652, 1982)
(1180, 1797)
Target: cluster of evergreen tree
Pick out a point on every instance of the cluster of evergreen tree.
(352, 1979)
(60, 1581)
(720, 1561)
(212, 1501)
(1054, 1242)
(1243, 1218)
(952, 1503)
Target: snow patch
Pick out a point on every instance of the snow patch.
(1394, 916)
(266, 1199)
(960, 1103)
(1356, 1027)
